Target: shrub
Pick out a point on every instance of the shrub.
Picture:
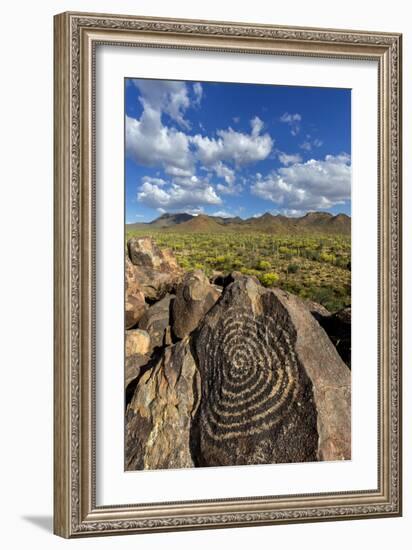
(292, 268)
(263, 265)
(269, 279)
(325, 257)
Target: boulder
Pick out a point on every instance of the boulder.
(159, 416)
(156, 321)
(338, 327)
(156, 270)
(143, 251)
(135, 304)
(274, 389)
(137, 342)
(194, 298)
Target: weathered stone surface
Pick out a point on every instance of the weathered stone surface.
(137, 342)
(156, 270)
(156, 321)
(159, 415)
(135, 304)
(144, 252)
(194, 298)
(133, 365)
(338, 328)
(274, 388)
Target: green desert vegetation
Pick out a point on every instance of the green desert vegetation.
(315, 267)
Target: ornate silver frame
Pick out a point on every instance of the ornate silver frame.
(76, 36)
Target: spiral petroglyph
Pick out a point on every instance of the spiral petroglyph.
(253, 375)
(257, 401)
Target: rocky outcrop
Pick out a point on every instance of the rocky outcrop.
(159, 417)
(269, 383)
(135, 304)
(156, 270)
(194, 298)
(144, 252)
(156, 321)
(227, 372)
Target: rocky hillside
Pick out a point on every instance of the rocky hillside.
(223, 371)
(310, 223)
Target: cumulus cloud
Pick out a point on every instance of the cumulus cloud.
(223, 171)
(293, 120)
(315, 184)
(236, 147)
(286, 159)
(150, 143)
(177, 197)
(153, 141)
(232, 189)
(155, 181)
(167, 96)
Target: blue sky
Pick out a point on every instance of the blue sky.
(235, 149)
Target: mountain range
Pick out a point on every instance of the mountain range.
(312, 222)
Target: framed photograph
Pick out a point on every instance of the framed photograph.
(227, 274)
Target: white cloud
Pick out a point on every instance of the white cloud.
(286, 159)
(177, 197)
(155, 181)
(233, 146)
(195, 211)
(293, 120)
(198, 91)
(233, 189)
(223, 214)
(309, 144)
(223, 171)
(311, 185)
(290, 212)
(150, 143)
(167, 96)
(257, 126)
(236, 119)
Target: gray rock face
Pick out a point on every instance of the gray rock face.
(159, 416)
(135, 304)
(269, 391)
(194, 298)
(156, 321)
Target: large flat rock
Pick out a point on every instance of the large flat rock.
(274, 389)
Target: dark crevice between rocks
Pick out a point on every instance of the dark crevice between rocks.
(151, 301)
(339, 332)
